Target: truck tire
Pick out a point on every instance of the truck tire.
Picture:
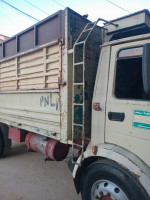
(106, 180)
(5, 142)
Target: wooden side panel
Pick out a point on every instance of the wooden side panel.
(8, 75)
(37, 70)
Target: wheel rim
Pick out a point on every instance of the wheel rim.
(106, 190)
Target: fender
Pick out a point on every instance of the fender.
(123, 157)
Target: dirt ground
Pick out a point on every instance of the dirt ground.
(26, 176)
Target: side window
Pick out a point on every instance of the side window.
(129, 83)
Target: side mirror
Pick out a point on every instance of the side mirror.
(146, 68)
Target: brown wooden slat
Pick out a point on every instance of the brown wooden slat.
(8, 84)
(31, 81)
(31, 87)
(36, 70)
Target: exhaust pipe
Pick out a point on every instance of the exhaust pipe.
(51, 148)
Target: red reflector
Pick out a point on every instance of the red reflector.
(94, 150)
(96, 106)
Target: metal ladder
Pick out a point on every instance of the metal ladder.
(80, 42)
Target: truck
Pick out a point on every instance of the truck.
(68, 83)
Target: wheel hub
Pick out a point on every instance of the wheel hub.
(105, 198)
(106, 190)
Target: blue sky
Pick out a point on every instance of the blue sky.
(12, 22)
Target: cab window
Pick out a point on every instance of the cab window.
(128, 81)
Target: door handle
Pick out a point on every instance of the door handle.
(115, 116)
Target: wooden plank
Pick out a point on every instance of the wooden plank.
(51, 66)
(52, 85)
(7, 63)
(53, 49)
(6, 66)
(30, 56)
(32, 81)
(8, 74)
(26, 76)
(36, 70)
(8, 84)
(8, 88)
(30, 64)
(49, 54)
(51, 79)
(52, 58)
(7, 69)
(28, 59)
(30, 70)
(31, 87)
(53, 71)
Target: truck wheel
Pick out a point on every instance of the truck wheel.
(106, 180)
(5, 142)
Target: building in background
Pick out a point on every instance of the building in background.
(3, 37)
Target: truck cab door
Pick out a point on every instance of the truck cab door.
(127, 106)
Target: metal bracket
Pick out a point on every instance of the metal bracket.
(60, 82)
(61, 41)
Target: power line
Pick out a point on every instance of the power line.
(19, 10)
(118, 6)
(58, 3)
(36, 7)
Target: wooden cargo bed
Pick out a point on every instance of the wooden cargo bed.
(36, 70)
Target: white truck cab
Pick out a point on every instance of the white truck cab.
(116, 164)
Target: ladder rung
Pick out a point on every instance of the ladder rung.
(78, 145)
(70, 51)
(79, 63)
(77, 83)
(89, 29)
(76, 163)
(78, 43)
(81, 125)
(78, 104)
